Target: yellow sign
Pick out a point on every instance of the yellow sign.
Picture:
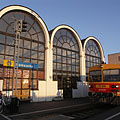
(9, 63)
(102, 86)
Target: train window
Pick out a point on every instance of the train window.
(111, 75)
(95, 76)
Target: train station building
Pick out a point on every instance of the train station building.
(63, 59)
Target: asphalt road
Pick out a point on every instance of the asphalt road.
(112, 114)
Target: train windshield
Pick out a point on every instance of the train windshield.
(112, 75)
(95, 76)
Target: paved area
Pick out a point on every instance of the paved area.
(27, 108)
(37, 106)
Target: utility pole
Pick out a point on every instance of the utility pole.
(19, 27)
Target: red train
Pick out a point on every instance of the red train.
(104, 84)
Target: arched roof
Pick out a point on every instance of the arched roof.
(22, 8)
(97, 42)
(53, 32)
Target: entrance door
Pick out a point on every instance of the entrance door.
(23, 85)
(67, 88)
(25, 91)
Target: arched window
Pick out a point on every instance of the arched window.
(31, 50)
(65, 58)
(92, 54)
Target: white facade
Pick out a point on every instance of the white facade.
(48, 89)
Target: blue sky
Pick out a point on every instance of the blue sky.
(98, 18)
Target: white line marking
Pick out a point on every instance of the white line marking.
(47, 110)
(112, 116)
(5, 117)
(67, 116)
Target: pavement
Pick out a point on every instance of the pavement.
(28, 108)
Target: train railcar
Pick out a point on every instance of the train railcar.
(104, 84)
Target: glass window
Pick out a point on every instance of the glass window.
(111, 75)
(41, 64)
(26, 60)
(41, 56)
(10, 40)
(3, 25)
(33, 61)
(34, 54)
(27, 44)
(1, 73)
(95, 76)
(1, 59)
(26, 53)
(2, 38)
(66, 52)
(9, 50)
(1, 49)
(59, 59)
(54, 58)
(32, 44)
(41, 47)
(10, 28)
(58, 51)
(92, 54)
(25, 83)
(41, 37)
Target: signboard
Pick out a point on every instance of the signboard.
(9, 63)
(27, 65)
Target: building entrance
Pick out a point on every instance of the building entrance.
(67, 88)
(23, 93)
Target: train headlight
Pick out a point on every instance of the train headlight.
(117, 86)
(90, 86)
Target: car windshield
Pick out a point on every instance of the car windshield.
(95, 76)
(112, 75)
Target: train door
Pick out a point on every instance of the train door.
(67, 87)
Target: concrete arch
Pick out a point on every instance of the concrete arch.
(70, 29)
(40, 21)
(99, 45)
